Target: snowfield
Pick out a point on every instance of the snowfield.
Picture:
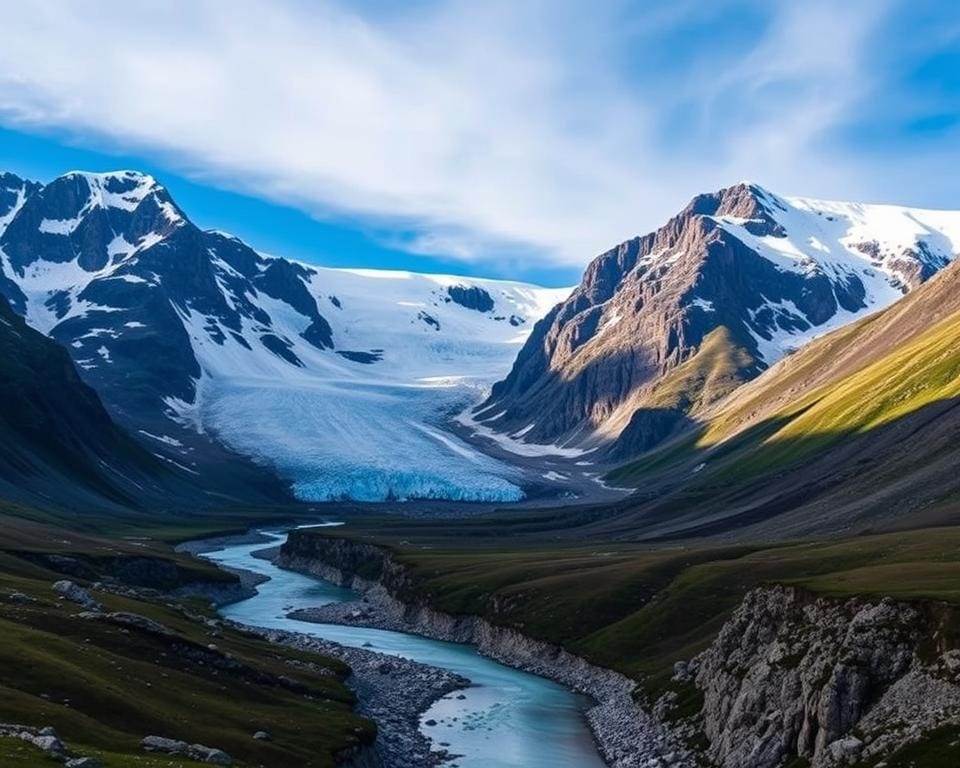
(885, 247)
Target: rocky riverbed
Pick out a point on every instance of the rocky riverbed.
(392, 691)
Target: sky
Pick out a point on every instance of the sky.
(514, 139)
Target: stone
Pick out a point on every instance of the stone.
(73, 592)
(49, 744)
(262, 736)
(126, 619)
(209, 755)
(165, 745)
(84, 762)
(846, 751)
(198, 752)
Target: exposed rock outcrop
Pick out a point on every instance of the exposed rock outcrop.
(198, 752)
(73, 592)
(45, 738)
(832, 681)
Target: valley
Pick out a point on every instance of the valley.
(464, 384)
(634, 515)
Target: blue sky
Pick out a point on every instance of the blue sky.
(508, 139)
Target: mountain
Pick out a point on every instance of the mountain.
(664, 325)
(58, 445)
(206, 350)
(856, 432)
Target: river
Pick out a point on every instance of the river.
(506, 719)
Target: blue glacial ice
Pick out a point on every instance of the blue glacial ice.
(358, 441)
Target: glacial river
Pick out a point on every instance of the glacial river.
(507, 719)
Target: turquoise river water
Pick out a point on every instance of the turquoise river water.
(507, 718)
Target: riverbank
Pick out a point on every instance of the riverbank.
(393, 692)
(626, 735)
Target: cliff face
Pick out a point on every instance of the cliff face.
(835, 682)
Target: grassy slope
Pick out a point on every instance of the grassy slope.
(56, 439)
(105, 687)
(919, 374)
(639, 609)
(718, 367)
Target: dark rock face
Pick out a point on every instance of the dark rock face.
(365, 358)
(148, 286)
(471, 297)
(645, 308)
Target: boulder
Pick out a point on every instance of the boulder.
(165, 745)
(70, 590)
(125, 619)
(846, 751)
(209, 755)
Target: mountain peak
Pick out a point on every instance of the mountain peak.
(761, 273)
(124, 190)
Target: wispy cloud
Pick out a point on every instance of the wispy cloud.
(485, 128)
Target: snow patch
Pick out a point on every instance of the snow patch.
(518, 447)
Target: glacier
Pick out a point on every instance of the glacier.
(339, 429)
(362, 442)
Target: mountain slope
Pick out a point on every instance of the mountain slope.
(204, 348)
(854, 432)
(737, 280)
(57, 443)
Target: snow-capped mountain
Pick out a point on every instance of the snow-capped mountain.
(338, 379)
(665, 324)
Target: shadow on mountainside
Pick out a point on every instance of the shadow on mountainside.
(764, 484)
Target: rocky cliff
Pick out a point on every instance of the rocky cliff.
(835, 682)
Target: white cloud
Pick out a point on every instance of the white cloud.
(476, 123)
